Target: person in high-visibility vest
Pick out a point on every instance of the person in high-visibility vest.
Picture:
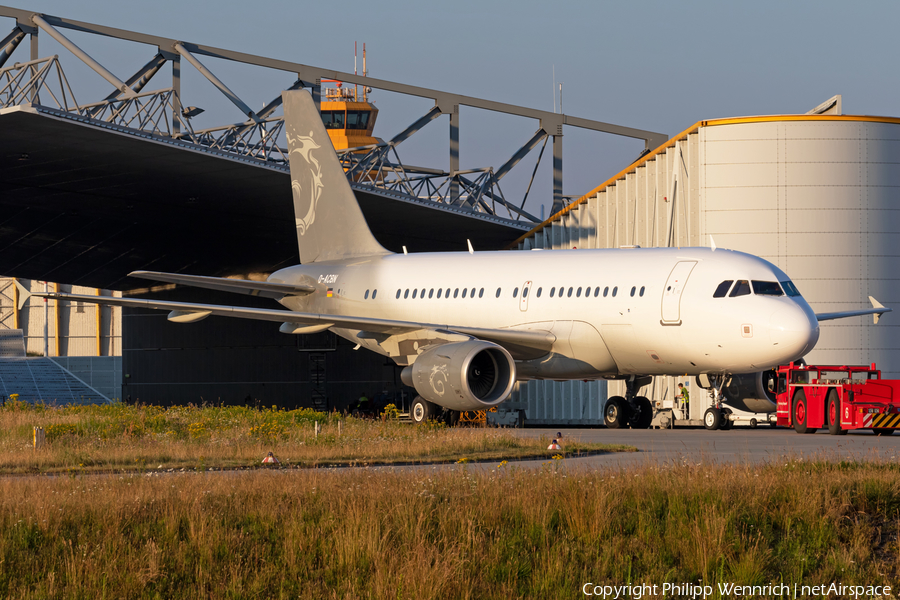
(685, 396)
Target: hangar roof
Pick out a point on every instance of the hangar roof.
(85, 204)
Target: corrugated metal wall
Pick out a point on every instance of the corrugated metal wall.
(815, 195)
(73, 326)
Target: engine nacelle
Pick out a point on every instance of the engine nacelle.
(753, 392)
(463, 376)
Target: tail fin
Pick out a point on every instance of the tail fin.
(330, 225)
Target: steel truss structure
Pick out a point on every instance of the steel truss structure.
(41, 81)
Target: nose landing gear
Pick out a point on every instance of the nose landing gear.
(718, 416)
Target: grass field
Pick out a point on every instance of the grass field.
(450, 532)
(122, 437)
(492, 531)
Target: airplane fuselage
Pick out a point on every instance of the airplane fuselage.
(613, 312)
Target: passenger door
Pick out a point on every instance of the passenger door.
(671, 300)
(523, 299)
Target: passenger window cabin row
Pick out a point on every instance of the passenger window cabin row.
(466, 292)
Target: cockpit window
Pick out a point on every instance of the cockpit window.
(723, 288)
(767, 288)
(789, 288)
(741, 288)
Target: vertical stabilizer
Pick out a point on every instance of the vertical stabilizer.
(330, 225)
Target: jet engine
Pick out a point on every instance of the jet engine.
(753, 392)
(471, 375)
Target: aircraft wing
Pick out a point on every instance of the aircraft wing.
(519, 342)
(239, 286)
(877, 309)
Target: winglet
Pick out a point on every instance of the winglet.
(712, 243)
(24, 293)
(877, 304)
(471, 249)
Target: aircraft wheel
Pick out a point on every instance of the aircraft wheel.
(726, 422)
(616, 413)
(712, 419)
(422, 410)
(800, 413)
(451, 417)
(644, 416)
(881, 432)
(833, 413)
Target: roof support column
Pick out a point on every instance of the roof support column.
(84, 56)
(34, 56)
(9, 44)
(454, 154)
(536, 139)
(15, 304)
(99, 327)
(558, 204)
(176, 97)
(433, 114)
(137, 81)
(179, 47)
(316, 92)
(56, 321)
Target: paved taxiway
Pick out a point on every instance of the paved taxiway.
(739, 445)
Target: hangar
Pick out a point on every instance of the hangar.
(92, 191)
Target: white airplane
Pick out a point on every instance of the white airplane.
(466, 326)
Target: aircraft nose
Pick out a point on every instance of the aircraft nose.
(794, 331)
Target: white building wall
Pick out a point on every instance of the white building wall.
(819, 198)
(72, 326)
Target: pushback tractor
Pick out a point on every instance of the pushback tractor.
(840, 398)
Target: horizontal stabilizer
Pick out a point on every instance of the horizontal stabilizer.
(264, 289)
(877, 310)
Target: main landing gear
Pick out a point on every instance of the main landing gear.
(717, 416)
(422, 410)
(631, 411)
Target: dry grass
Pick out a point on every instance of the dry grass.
(445, 533)
(127, 438)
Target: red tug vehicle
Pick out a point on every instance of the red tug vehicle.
(841, 398)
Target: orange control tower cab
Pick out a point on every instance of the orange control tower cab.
(348, 115)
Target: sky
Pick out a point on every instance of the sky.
(654, 65)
